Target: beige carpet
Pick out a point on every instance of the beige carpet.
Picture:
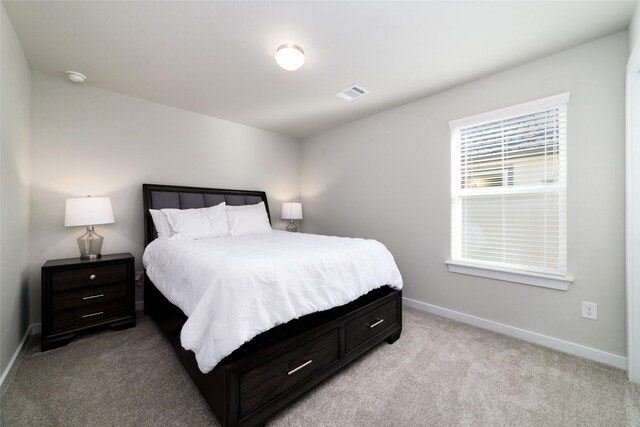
(439, 373)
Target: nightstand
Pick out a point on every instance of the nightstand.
(78, 295)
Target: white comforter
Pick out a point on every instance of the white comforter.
(234, 288)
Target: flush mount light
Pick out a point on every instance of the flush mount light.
(290, 56)
(76, 77)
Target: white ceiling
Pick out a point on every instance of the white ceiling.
(216, 58)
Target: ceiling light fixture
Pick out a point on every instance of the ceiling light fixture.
(290, 56)
(76, 77)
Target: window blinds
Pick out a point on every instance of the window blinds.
(509, 181)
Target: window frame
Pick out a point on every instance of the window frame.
(495, 270)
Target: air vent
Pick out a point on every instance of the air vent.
(352, 92)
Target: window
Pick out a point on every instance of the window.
(509, 192)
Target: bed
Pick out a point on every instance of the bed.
(280, 364)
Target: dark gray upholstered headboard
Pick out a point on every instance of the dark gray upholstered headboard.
(170, 196)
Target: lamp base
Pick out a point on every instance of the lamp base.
(292, 227)
(90, 244)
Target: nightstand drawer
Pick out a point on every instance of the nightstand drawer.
(89, 276)
(87, 316)
(89, 297)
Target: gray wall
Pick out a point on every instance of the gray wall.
(87, 140)
(387, 177)
(15, 122)
(634, 27)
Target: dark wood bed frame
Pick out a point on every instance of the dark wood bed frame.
(280, 365)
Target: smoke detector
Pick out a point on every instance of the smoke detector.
(352, 92)
(76, 77)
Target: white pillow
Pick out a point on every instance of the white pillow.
(198, 223)
(161, 222)
(248, 219)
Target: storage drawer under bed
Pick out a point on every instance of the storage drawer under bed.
(265, 382)
(370, 324)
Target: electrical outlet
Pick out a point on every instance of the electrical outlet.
(139, 279)
(589, 310)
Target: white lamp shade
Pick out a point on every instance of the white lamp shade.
(88, 211)
(291, 210)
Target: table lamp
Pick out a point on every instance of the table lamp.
(88, 211)
(291, 211)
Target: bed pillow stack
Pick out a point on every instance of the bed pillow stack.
(161, 222)
(248, 219)
(191, 224)
(216, 221)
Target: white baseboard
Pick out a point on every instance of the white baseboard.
(17, 355)
(534, 337)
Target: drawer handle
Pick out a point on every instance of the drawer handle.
(92, 277)
(373, 325)
(93, 296)
(293, 371)
(93, 314)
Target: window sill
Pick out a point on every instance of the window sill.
(535, 279)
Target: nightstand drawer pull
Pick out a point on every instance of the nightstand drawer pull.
(93, 314)
(92, 277)
(373, 325)
(293, 371)
(93, 296)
